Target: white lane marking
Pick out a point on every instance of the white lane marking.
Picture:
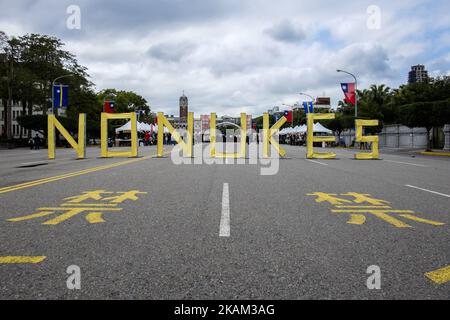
(225, 219)
(430, 191)
(409, 163)
(324, 164)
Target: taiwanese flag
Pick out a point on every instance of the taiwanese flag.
(349, 92)
(289, 116)
(109, 106)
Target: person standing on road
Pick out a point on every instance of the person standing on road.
(31, 143)
(37, 142)
(147, 138)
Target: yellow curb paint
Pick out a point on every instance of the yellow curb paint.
(437, 154)
(21, 259)
(439, 276)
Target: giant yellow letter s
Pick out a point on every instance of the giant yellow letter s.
(80, 147)
(359, 124)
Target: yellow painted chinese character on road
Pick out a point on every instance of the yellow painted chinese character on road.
(76, 205)
(362, 204)
(130, 195)
(88, 195)
(328, 197)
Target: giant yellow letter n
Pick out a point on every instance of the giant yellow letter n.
(359, 124)
(104, 135)
(212, 141)
(311, 139)
(185, 146)
(80, 147)
(268, 135)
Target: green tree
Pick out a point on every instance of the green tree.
(44, 57)
(125, 101)
(9, 52)
(426, 115)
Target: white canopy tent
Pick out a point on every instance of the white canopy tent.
(303, 129)
(141, 127)
(321, 129)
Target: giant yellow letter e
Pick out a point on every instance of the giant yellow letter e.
(80, 147)
(311, 139)
(359, 124)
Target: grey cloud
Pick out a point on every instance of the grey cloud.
(364, 59)
(286, 31)
(227, 54)
(115, 16)
(172, 52)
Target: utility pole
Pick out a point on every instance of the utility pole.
(9, 106)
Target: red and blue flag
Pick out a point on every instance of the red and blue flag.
(109, 106)
(349, 90)
(289, 116)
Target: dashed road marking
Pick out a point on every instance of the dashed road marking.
(225, 218)
(321, 163)
(426, 190)
(407, 163)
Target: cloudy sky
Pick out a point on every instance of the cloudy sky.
(232, 56)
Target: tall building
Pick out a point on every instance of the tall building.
(418, 74)
(183, 109)
(323, 103)
(16, 130)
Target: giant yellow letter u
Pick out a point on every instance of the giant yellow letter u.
(212, 134)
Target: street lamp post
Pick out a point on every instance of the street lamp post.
(356, 90)
(53, 93)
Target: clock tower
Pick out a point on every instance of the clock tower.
(183, 109)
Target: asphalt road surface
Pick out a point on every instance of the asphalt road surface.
(150, 229)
